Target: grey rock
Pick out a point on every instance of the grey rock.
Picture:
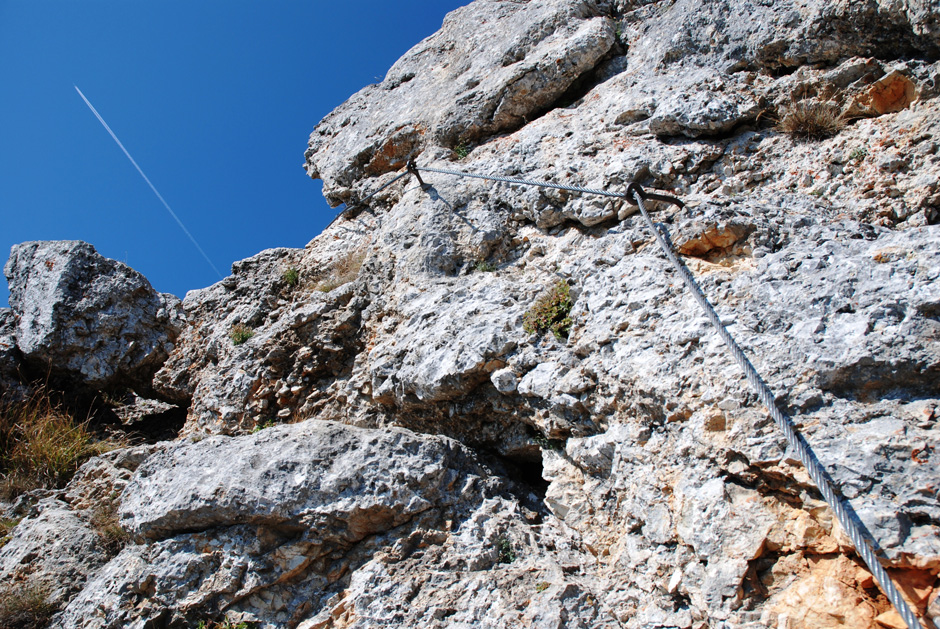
(12, 388)
(670, 499)
(102, 479)
(88, 317)
(206, 371)
(54, 548)
(492, 66)
(266, 534)
(311, 475)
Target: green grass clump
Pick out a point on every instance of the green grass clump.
(240, 333)
(858, 154)
(549, 444)
(461, 149)
(42, 445)
(268, 423)
(291, 277)
(484, 267)
(812, 120)
(550, 312)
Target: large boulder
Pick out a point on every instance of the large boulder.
(269, 525)
(88, 318)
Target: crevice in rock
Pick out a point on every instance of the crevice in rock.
(528, 473)
(575, 91)
(866, 380)
(163, 426)
(771, 484)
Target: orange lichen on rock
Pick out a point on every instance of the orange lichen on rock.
(892, 92)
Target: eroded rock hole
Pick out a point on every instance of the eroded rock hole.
(525, 474)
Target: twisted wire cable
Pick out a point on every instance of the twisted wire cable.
(364, 199)
(848, 520)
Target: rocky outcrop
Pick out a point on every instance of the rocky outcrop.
(87, 318)
(444, 466)
(492, 67)
(65, 536)
(277, 520)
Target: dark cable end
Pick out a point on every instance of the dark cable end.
(635, 188)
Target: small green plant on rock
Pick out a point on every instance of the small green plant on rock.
(225, 624)
(858, 154)
(550, 312)
(812, 120)
(240, 333)
(268, 423)
(461, 149)
(541, 586)
(291, 277)
(545, 443)
(6, 530)
(484, 267)
(505, 552)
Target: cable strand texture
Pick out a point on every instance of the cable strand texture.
(850, 524)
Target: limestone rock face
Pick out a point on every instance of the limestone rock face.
(433, 463)
(491, 67)
(87, 317)
(315, 475)
(55, 549)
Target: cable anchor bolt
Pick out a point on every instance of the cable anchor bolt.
(635, 188)
(413, 169)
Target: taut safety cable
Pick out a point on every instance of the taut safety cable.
(794, 438)
(844, 513)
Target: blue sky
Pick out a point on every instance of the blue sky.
(214, 100)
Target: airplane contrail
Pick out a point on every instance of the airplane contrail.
(152, 187)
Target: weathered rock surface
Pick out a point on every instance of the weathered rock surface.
(87, 317)
(66, 536)
(632, 479)
(11, 386)
(277, 519)
(492, 67)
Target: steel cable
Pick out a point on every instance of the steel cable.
(365, 198)
(796, 440)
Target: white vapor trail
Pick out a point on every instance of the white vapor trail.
(159, 196)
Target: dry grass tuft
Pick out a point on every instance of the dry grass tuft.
(24, 606)
(41, 445)
(344, 270)
(812, 120)
(240, 333)
(105, 522)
